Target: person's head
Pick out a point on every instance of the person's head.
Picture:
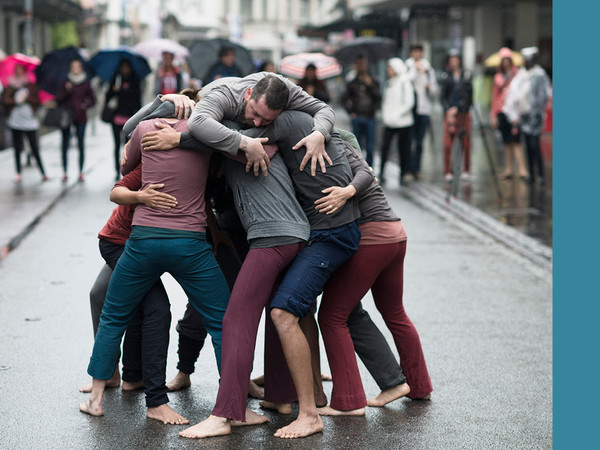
(125, 69)
(454, 60)
(263, 103)
(227, 56)
(167, 58)
(76, 67)
(19, 71)
(192, 93)
(267, 66)
(395, 67)
(506, 59)
(416, 51)
(529, 56)
(362, 64)
(310, 73)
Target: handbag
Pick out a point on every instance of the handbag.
(59, 117)
(109, 110)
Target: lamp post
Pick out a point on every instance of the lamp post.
(28, 30)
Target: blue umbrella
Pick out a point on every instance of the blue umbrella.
(106, 62)
(53, 70)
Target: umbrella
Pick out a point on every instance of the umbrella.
(8, 64)
(106, 62)
(295, 65)
(53, 70)
(205, 53)
(494, 59)
(373, 47)
(154, 48)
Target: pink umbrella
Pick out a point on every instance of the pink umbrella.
(7, 69)
(295, 65)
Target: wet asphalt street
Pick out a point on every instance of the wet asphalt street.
(483, 311)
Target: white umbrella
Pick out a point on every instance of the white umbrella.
(154, 48)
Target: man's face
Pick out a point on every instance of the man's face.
(257, 113)
(228, 59)
(416, 54)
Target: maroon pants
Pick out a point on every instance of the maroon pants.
(255, 285)
(381, 269)
(462, 121)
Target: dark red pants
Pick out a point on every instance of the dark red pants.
(461, 120)
(381, 269)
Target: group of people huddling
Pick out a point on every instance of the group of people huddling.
(259, 176)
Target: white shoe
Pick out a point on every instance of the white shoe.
(465, 176)
(448, 177)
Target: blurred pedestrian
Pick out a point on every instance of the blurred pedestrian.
(426, 87)
(312, 85)
(362, 99)
(511, 136)
(75, 94)
(125, 88)
(397, 115)
(21, 100)
(457, 98)
(225, 67)
(526, 105)
(168, 78)
(267, 66)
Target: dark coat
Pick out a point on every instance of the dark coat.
(361, 99)
(459, 94)
(8, 97)
(78, 99)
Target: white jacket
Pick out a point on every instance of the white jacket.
(425, 95)
(398, 98)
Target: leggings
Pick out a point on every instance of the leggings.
(117, 129)
(403, 148)
(18, 144)
(379, 268)
(66, 137)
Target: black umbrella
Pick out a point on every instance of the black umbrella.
(204, 54)
(53, 70)
(372, 47)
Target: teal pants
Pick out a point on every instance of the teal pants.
(190, 261)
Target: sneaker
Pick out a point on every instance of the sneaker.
(448, 177)
(465, 176)
(45, 178)
(81, 177)
(18, 178)
(65, 178)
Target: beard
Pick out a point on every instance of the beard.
(243, 121)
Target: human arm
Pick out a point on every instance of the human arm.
(171, 105)
(132, 153)
(126, 192)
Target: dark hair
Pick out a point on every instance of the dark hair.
(226, 49)
(274, 90)
(310, 66)
(191, 93)
(416, 46)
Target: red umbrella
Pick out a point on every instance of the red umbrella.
(7, 69)
(295, 65)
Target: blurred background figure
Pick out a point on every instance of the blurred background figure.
(313, 86)
(525, 107)
(126, 90)
(426, 87)
(457, 98)
(225, 67)
(361, 100)
(511, 137)
(397, 115)
(267, 66)
(168, 78)
(21, 101)
(76, 95)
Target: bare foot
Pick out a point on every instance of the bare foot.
(260, 380)
(213, 426)
(301, 427)
(325, 377)
(181, 381)
(91, 408)
(132, 386)
(281, 408)
(252, 418)
(114, 382)
(425, 397)
(329, 411)
(389, 395)
(320, 399)
(165, 414)
(254, 390)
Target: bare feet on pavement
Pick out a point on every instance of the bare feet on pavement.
(254, 390)
(329, 411)
(91, 408)
(212, 426)
(389, 395)
(301, 427)
(181, 381)
(252, 418)
(281, 408)
(166, 415)
(132, 385)
(114, 382)
(260, 380)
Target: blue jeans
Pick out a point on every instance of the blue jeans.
(190, 261)
(306, 277)
(364, 130)
(418, 134)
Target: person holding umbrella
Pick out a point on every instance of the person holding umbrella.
(312, 85)
(125, 88)
(21, 101)
(168, 78)
(75, 94)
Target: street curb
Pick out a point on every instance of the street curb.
(434, 199)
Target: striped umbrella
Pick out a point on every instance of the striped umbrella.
(295, 65)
